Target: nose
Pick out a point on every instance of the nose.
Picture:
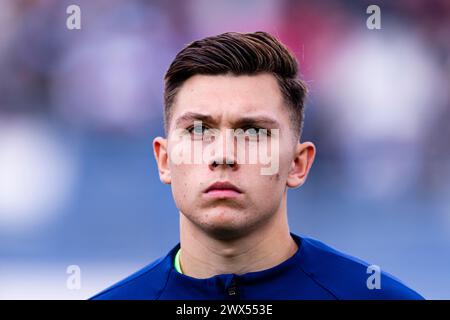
(222, 162)
(224, 152)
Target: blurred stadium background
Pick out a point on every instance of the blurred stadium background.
(79, 110)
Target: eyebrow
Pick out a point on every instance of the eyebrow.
(192, 116)
(248, 120)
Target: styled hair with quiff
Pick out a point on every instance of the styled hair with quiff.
(238, 54)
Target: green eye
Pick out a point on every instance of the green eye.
(256, 131)
(197, 129)
(252, 131)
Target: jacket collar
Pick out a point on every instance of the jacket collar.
(247, 278)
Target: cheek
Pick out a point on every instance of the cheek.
(265, 195)
(266, 187)
(180, 180)
(186, 183)
(273, 186)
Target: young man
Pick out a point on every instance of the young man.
(231, 99)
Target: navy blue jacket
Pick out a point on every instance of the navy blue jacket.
(315, 271)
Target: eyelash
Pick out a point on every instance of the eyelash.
(191, 128)
(257, 129)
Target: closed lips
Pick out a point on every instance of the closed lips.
(223, 186)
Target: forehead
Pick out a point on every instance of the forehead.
(229, 97)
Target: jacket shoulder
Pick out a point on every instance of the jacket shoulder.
(145, 284)
(348, 277)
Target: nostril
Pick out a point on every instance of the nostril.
(225, 162)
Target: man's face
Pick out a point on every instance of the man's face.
(220, 103)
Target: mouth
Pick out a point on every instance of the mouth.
(222, 189)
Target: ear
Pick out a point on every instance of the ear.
(162, 159)
(301, 164)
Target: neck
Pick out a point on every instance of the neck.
(203, 256)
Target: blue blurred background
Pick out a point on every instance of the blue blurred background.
(79, 110)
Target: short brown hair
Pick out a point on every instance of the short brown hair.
(238, 54)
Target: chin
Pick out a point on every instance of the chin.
(226, 227)
(224, 233)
